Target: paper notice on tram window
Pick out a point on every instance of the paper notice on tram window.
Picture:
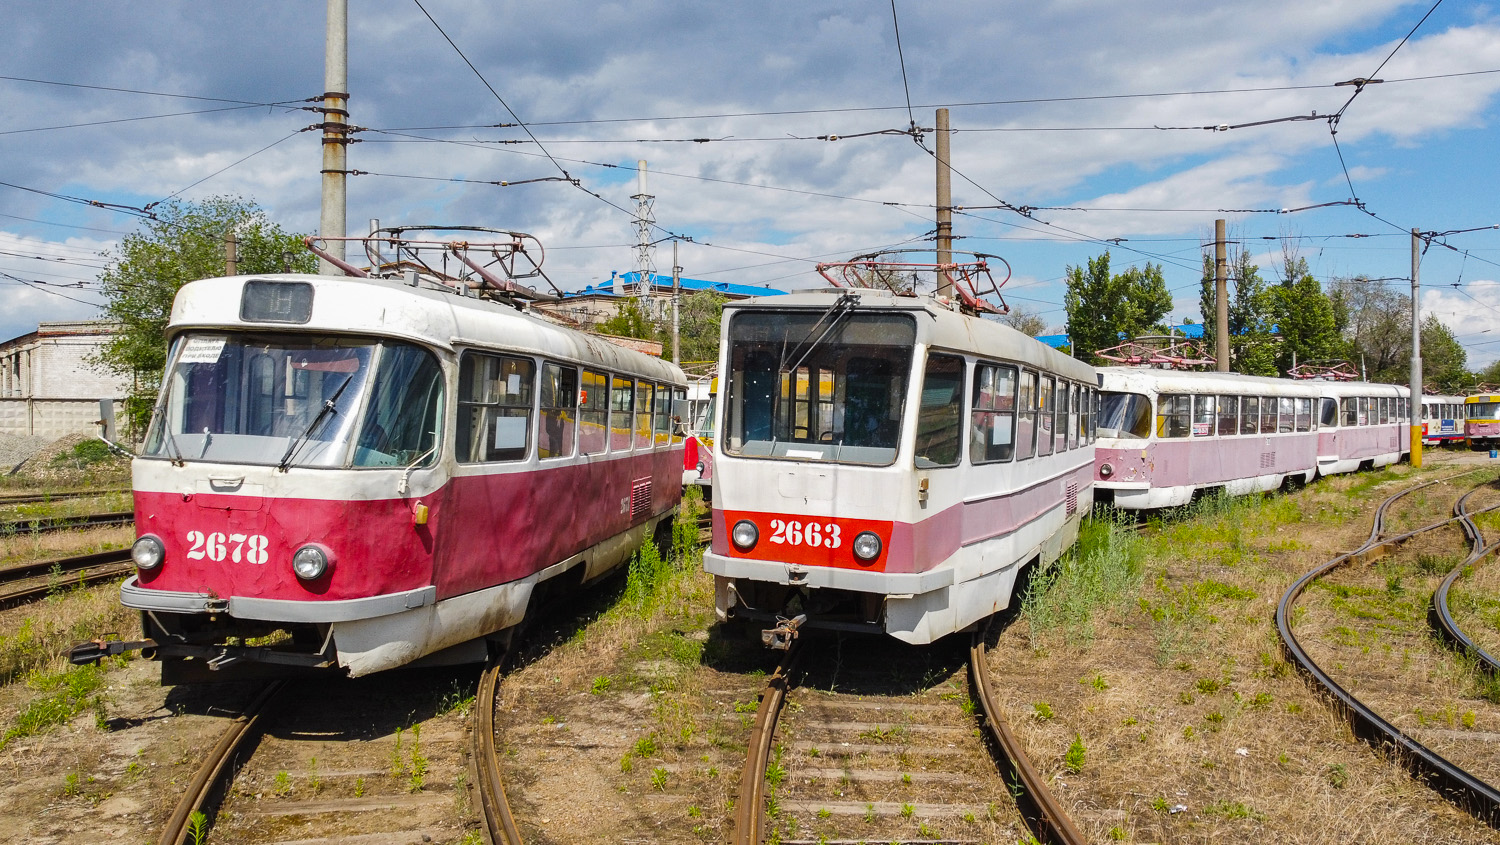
(513, 384)
(1202, 429)
(804, 453)
(510, 433)
(203, 349)
(1000, 433)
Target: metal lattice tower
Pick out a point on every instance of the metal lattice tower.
(645, 218)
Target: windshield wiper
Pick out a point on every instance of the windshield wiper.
(841, 308)
(329, 407)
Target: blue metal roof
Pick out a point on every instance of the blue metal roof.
(621, 284)
(1191, 331)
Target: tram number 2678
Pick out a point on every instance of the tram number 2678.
(216, 546)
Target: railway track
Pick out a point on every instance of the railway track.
(33, 581)
(44, 525)
(8, 499)
(1458, 785)
(393, 766)
(880, 746)
(1442, 616)
(492, 806)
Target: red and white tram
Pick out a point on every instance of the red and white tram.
(1362, 425)
(1482, 420)
(1165, 435)
(886, 463)
(361, 473)
(1442, 420)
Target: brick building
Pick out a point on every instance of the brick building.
(47, 386)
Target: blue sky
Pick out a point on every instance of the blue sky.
(1053, 106)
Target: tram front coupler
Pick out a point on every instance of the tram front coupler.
(91, 652)
(781, 637)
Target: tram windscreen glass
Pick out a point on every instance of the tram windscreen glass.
(1124, 415)
(298, 400)
(808, 386)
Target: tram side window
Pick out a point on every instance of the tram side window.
(1074, 417)
(1026, 416)
(644, 393)
(554, 438)
(1249, 414)
(494, 407)
(1385, 410)
(1304, 415)
(679, 395)
(1229, 415)
(593, 413)
(940, 414)
(1046, 404)
(1205, 412)
(1288, 418)
(1328, 411)
(621, 413)
(1063, 409)
(662, 415)
(1176, 415)
(1268, 415)
(1351, 411)
(992, 429)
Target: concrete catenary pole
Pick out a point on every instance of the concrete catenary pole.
(231, 252)
(1221, 298)
(944, 205)
(676, 297)
(335, 133)
(1416, 351)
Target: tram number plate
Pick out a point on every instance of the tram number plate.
(793, 533)
(215, 546)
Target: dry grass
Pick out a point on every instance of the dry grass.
(31, 547)
(1191, 726)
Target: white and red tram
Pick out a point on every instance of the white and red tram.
(885, 463)
(1362, 425)
(362, 473)
(1166, 435)
(1482, 420)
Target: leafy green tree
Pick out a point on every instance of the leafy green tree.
(1445, 364)
(183, 242)
(1489, 375)
(698, 325)
(1304, 317)
(1252, 344)
(1026, 321)
(1103, 308)
(631, 320)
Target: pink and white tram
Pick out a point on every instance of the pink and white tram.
(1363, 425)
(1165, 435)
(884, 463)
(1482, 420)
(364, 473)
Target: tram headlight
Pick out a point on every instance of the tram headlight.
(1105, 470)
(148, 552)
(866, 546)
(311, 562)
(745, 535)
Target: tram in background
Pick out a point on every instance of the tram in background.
(1362, 425)
(1442, 420)
(1482, 420)
(887, 460)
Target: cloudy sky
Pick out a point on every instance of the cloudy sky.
(1087, 115)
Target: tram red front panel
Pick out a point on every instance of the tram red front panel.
(230, 545)
(803, 540)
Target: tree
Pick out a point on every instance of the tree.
(1102, 307)
(184, 241)
(631, 320)
(1444, 362)
(1304, 317)
(1025, 321)
(1252, 345)
(1375, 322)
(698, 326)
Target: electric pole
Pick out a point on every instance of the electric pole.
(944, 207)
(1221, 298)
(1416, 352)
(335, 134)
(231, 252)
(676, 295)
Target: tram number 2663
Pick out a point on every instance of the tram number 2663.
(795, 533)
(216, 546)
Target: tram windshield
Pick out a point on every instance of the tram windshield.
(1483, 411)
(826, 386)
(1124, 415)
(298, 400)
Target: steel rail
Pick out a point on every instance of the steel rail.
(1456, 784)
(217, 771)
(749, 806)
(36, 592)
(63, 523)
(1048, 821)
(63, 564)
(1442, 616)
(8, 499)
(499, 824)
